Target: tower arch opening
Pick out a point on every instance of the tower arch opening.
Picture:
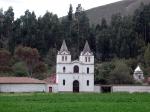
(76, 69)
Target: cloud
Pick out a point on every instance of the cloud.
(11, 1)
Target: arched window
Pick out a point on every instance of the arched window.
(76, 69)
(85, 59)
(87, 83)
(87, 70)
(64, 69)
(65, 58)
(62, 58)
(89, 59)
(64, 82)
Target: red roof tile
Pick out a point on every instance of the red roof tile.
(20, 80)
(51, 79)
(148, 79)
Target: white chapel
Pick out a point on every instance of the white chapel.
(138, 74)
(77, 75)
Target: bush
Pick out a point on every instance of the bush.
(40, 71)
(102, 72)
(5, 69)
(121, 74)
(20, 69)
(5, 57)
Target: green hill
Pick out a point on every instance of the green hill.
(125, 7)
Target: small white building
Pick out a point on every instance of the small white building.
(138, 74)
(51, 84)
(21, 84)
(77, 75)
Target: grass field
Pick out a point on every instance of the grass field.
(82, 102)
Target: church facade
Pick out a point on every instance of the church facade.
(76, 75)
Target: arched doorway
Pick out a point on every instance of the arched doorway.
(75, 86)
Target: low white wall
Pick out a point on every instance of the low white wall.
(54, 88)
(22, 87)
(130, 89)
(97, 89)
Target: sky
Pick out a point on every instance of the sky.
(59, 7)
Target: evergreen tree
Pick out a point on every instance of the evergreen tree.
(70, 13)
(147, 55)
(1, 28)
(7, 27)
(142, 22)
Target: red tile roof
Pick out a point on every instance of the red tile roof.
(148, 79)
(20, 80)
(51, 79)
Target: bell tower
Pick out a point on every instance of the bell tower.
(86, 56)
(63, 55)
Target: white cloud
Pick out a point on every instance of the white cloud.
(11, 0)
(59, 7)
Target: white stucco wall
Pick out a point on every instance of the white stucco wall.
(130, 89)
(97, 89)
(88, 55)
(54, 88)
(22, 87)
(59, 58)
(69, 78)
(69, 68)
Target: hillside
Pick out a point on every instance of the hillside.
(125, 7)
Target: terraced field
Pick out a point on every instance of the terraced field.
(69, 102)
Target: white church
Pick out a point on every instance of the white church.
(77, 75)
(138, 75)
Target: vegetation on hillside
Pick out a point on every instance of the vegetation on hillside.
(126, 39)
(125, 7)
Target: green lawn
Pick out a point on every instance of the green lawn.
(82, 102)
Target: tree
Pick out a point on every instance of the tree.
(103, 23)
(120, 74)
(147, 55)
(5, 58)
(103, 43)
(142, 22)
(1, 27)
(49, 34)
(70, 19)
(51, 57)
(28, 29)
(40, 70)
(7, 20)
(28, 55)
(81, 27)
(20, 69)
(70, 13)
(102, 72)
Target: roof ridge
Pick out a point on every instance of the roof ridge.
(21, 80)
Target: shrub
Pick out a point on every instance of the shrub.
(20, 69)
(120, 74)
